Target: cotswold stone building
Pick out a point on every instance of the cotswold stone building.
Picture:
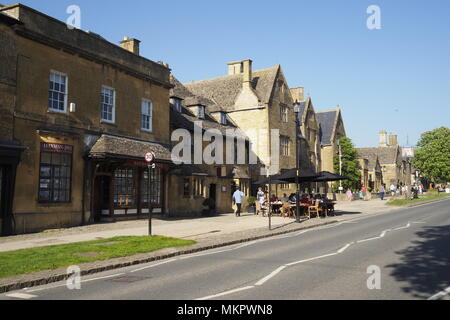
(394, 166)
(78, 114)
(257, 102)
(194, 182)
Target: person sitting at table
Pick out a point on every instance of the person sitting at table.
(273, 198)
(285, 198)
(292, 198)
(305, 200)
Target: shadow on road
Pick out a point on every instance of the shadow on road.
(425, 266)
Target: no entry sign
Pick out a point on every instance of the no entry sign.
(150, 157)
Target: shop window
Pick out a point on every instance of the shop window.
(199, 190)
(55, 173)
(124, 188)
(154, 191)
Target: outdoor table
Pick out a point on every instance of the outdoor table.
(276, 206)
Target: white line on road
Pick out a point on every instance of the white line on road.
(405, 227)
(82, 281)
(267, 278)
(225, 293)
(345, 248)
(21, 296)
(311, 259)
(153, 265)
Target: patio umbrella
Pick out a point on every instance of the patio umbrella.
(326, 176)
(290, 176)
(272, 181)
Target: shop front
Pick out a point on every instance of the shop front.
(123, 185)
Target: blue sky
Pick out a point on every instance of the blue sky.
(396, 78)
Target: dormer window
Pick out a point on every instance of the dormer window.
(176, 102)
(223, 118)
(201, 112)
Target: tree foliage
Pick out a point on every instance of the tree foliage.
(432, 157)
(350, 164)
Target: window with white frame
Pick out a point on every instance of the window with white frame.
(57, 95)
(284, 145)
(146, 115)
(108, 103)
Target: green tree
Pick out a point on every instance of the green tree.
(350, 164)
(432, 157)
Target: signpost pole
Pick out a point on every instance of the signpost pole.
(150, 159)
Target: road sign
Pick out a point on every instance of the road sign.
(150, 157)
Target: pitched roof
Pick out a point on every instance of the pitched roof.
(386, 155)
(327, 121)
(186, 119)
(128, 148)
(224, 90)
(371, 154)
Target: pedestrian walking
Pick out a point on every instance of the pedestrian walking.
(382, 192)
(237, 200)
(349, 195)
(260, 198)
(393, 189)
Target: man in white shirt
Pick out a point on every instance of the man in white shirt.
(237, 200)
(393, 189)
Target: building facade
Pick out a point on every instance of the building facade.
(83, 112)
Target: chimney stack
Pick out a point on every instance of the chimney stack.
(393, 140)
(383, 138)
(247, 69)
(298, 94)
(235, 68)
(131, 45)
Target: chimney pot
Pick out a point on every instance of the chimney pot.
(383, 138)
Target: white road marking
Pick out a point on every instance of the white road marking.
(152, 266)
(311, 259)
(345, 248)
(21, 296)
(225, 293)
(267, 278)
(441, 294)
(405, 227)
(82, 281)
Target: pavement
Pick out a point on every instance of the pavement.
(383, 253)
(210, 233)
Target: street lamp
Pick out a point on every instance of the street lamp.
(298, 135)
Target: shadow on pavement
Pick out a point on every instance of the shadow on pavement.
(425, 266)
(343, 213)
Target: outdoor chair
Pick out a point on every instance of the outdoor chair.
(314, 209)
(285, 210)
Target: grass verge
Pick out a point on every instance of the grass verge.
(432, 196)
(53, 257)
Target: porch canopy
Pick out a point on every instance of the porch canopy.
(125, 148)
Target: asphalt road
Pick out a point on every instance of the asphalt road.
(409, 247)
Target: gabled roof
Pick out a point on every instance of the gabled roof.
(224, 90)
(371, 154)
(386, 155)
(186, 119)
(328, 122)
